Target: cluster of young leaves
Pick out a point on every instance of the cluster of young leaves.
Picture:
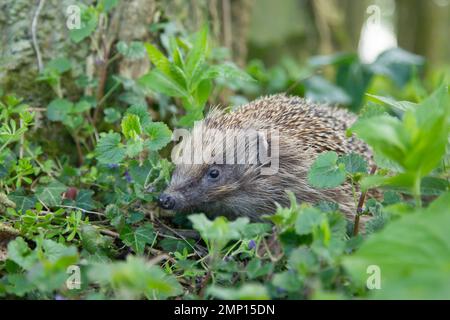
(298, 258)
(186, 73)
(415, 144)
(140, 135)
(410, 153)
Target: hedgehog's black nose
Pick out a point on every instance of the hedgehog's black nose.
(166, 202)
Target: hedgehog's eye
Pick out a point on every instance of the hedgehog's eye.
(213, 174)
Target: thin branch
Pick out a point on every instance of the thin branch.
(34, 36)
(81, 209)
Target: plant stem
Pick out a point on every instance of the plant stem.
(416, 192)
(359, 208)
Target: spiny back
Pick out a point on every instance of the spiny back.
(317, 127)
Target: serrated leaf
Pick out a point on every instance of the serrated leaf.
(142, 112)
(159, 135)
(412, 253)
(111, 115)
(325, 172)
(109, 149)
(353, 163)
(307, 220)
(131, 126)
(158, 59)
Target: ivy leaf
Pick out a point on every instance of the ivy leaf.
(84, 199)
(139, 238)
(353, 163)
(326, 172)
(109, 149)
(159, 135)
(23, 201)
(51, 194)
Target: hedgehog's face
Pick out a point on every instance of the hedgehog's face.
(202, 188)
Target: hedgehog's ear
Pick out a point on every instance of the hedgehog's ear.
(263, 147)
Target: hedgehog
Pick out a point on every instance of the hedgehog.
(278, 138)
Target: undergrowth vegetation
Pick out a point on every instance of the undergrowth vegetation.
(79, 179)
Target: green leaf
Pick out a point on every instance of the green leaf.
(20, 253)
(109, 149)
(353, 163)
(397, 64)
(413, 254)
(84, 199)
(139, 238)
(307, 220)
(288, 281)
(59, 65)
(134, 148)
(321, 90)
(159, 135)
(142, 112)
(384, 134)
(58, 109)
(82, 106)
(227, 70)
(159, 82)
(134, 51)
(399, 106)
(111, 115)
(197, 55)
(248, 291)
(89, 19)
(219, 231)
(108, 5)
(256, 269)
(325, 171)
(51, 194)
(158, 59)
(23, 201)
(131, 126)
(135, 278)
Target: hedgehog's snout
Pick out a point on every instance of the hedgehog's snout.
(166, 201)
